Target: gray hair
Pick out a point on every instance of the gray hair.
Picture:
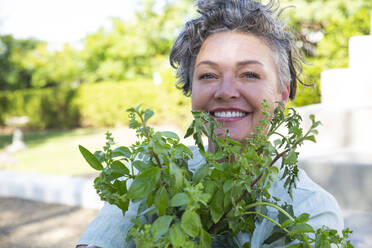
(244, 16)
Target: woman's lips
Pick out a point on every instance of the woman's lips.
(229, 114)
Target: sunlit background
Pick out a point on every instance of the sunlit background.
(59, 22)
(69, 69)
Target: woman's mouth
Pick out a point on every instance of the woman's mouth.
(229, 115)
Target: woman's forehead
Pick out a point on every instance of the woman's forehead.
(235, 48)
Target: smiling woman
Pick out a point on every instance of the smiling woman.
(231, 80)
(231, 58)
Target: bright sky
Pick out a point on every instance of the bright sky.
(60, 21)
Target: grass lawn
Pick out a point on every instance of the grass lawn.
(56, 152)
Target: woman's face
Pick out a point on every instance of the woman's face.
(233, 74)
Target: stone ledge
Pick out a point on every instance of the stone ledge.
(348, 180)
(66, 190)
(360, 223)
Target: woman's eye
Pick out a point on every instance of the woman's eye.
(207, 76)
(251, 75)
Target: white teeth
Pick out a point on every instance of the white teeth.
(229, 114)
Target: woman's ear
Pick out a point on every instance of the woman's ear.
(285, 94)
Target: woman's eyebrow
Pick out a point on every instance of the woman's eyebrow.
(249, 62)
(241, 63)
(207, 62)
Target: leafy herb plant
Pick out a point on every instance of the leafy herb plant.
(227, 194)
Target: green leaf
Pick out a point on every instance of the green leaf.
(152, 174)
(179, 200)
(123, 204)
(301, 228)
(121, 151)
(311, 138)
(190, 244)
(90, 158)
(227, 185)
(291, 158)
(201, 173)
(160, 226)
(119, 167)
(314, 131)
(190, 223)
(140, 165)
(176, 172)
(199, 141)
(274, 171)
(148, 114)
(247, 245)
(121, 186)
(275, 236)
(210, 187)
(146, 211)
(217, 206)
(176, 236)
(234, 142)
(205, 239)
(100, 156)
(302, 218)
(139, 188)
(189, 132)
(143, 184)
(161, 201)
(295, 246)
(138, 107)
(170, 135)
(278, 142)
(150, 199)
(133, 124)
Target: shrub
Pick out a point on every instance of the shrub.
(104, 104)
(95, 105)
(46, 108)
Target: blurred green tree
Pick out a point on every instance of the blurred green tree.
(12, 73)
(135, 48)
(323, 28)
(139, 47)
(53, 68)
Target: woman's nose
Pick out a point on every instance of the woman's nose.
(227, 89)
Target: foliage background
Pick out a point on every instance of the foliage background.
(113, 71)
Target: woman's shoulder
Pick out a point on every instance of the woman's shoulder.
(309, 197)
(196, 160)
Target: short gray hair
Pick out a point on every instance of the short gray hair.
(244, 16)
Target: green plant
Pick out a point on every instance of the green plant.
(228, 194)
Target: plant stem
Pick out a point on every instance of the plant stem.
(148, 137)
(156, 158)
(268, 218)
(131, 165)
(271, 205)
(254, 183)
(306, 241)
(244, 194)
(288, 149)
(281, 135)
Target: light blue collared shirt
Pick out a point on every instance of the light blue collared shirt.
(110, 227)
